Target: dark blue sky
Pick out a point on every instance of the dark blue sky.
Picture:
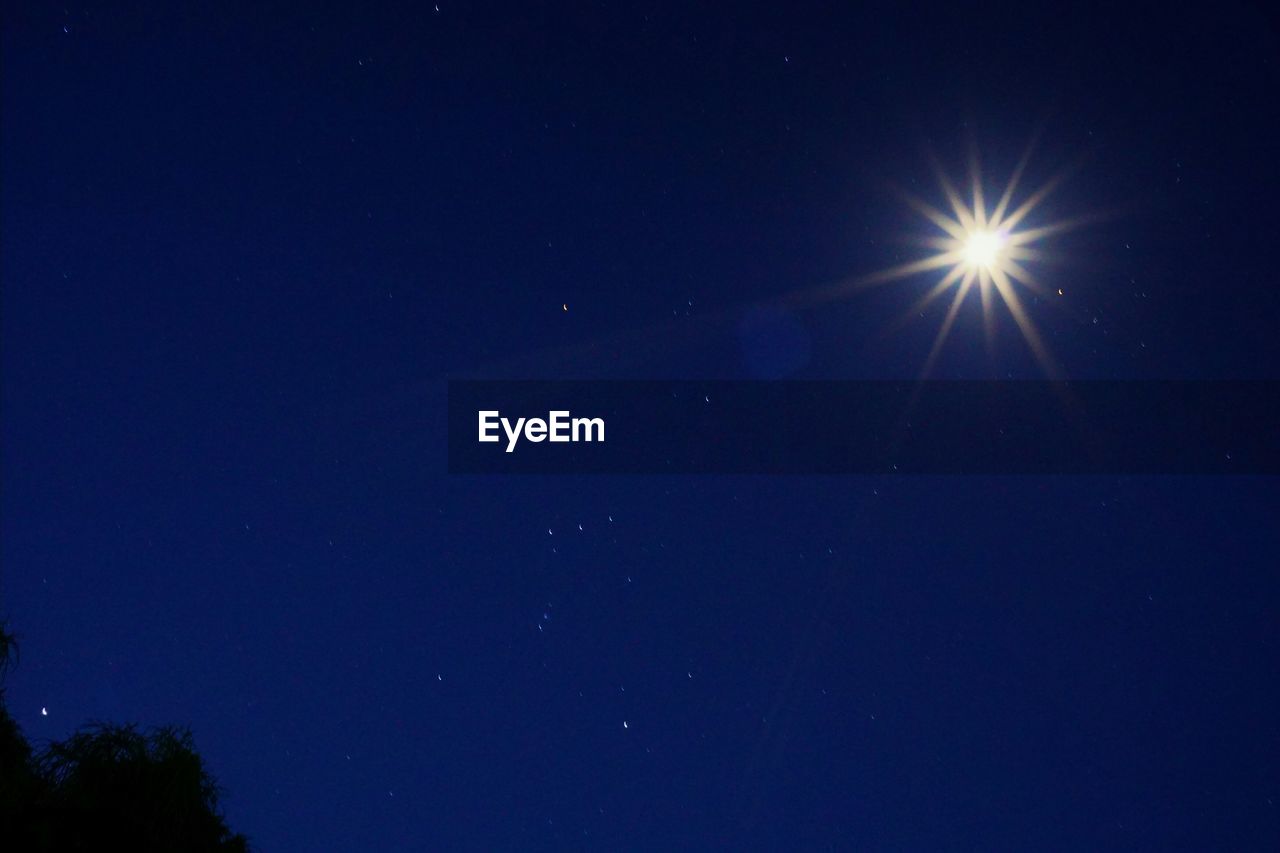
(244, 247)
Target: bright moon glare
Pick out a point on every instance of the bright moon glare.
(982, 249)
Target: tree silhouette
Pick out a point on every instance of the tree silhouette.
(107, 787)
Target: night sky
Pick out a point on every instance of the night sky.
(244, 248)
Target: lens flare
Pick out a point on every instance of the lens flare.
(985, 249)
(977, 248)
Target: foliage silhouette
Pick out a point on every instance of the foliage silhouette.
(107, 787)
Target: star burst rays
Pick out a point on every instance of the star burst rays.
(983, 249)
